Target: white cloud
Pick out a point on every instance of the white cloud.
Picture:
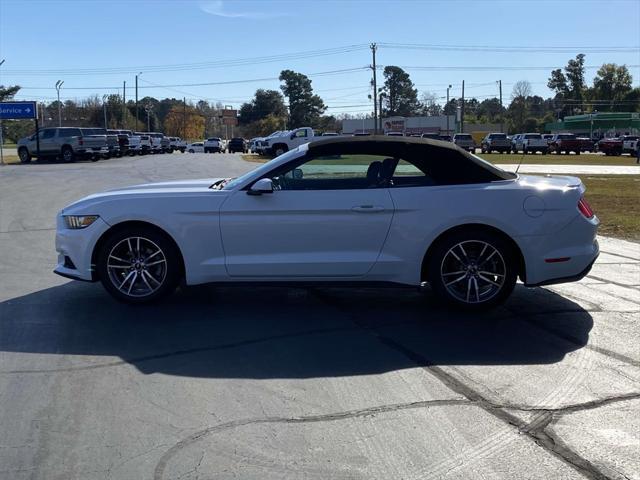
(216, 7)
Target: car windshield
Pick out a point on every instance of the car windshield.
(231, 183)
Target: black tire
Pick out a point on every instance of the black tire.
(67, 154)
(191, 150)
(279, 150)
(442, 264)
(24, 155)
(182, 150)
(165, 267)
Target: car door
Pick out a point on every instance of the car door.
(327, 217)
(47, 141)
(299, 137)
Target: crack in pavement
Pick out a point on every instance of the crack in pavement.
(529, 318)
(538, 435)
(535, 428)
(606, 280)
(621, 256)
(329, 417)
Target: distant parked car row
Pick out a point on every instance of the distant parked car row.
(85, 143)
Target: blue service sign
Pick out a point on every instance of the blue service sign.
(17, 110)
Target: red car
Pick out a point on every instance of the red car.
(610, 146)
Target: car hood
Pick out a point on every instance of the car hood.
(145, 190)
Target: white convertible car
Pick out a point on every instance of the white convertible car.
(369, 210)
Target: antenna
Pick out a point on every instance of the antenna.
(521, 159)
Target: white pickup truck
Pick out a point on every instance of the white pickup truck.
(144, 145)
(289, 140)
(629, 144)
(534, 142)
(176, 143)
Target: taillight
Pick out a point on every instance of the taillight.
(585, 209)
(80, 141)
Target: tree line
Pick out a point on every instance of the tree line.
(296, 105)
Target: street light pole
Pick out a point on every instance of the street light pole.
(446, 105)
(58, 87)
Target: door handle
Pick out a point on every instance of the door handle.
(368, 208)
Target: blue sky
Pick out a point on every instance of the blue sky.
(125, 37)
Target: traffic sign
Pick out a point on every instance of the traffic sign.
(18, 110)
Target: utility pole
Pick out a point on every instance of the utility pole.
(104, 108)
(381, 96)
(462, 110)
(374, 47)
(136, 126)
(446, 105)
(124, 104)
(184, 117)
(501, 113)
(58, 87)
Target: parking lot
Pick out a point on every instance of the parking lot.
(276, 382)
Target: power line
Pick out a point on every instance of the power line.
(228, 82)
(192, 66)
(491, 68)
(512, 49)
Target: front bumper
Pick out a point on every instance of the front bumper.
(75, 249)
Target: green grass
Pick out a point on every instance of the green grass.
(552, 159)
(616, 201)
(11, 159)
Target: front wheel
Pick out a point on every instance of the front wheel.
(138, 265)
(473, 270)
(25, 156)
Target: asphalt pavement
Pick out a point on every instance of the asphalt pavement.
(275, 382)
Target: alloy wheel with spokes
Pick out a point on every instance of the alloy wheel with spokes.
(138, 265)
(473, 271)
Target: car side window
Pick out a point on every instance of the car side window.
(48, 134)
(334, 172)
(406, 174)
(301, 133)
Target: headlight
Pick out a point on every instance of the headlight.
(76, 222)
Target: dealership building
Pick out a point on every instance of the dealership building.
(598, 124)
(440, 124)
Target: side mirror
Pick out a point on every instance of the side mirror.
(293, 135)
(264, 185)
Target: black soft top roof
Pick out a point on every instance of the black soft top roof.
(446, 157)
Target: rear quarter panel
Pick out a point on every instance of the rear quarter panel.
(422, 214)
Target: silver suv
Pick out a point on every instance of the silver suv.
(67, 143)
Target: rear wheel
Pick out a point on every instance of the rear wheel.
(472, 269)
(25, 156)
(138, 265)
